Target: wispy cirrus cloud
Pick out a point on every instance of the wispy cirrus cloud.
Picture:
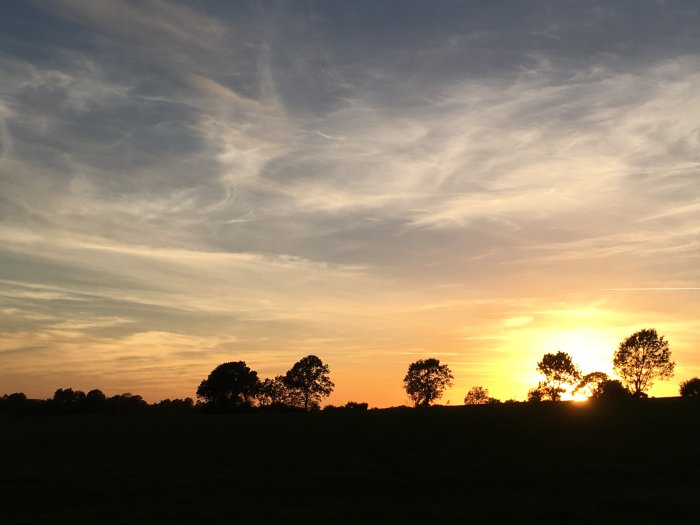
(334, 179)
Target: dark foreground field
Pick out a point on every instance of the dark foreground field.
(554, 463)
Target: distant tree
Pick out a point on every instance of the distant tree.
(14, 402)
(95, 401)
(310, 378)
(559, 371)
(537, 394)
(354, 405)
(478, 395)
(641, 359)
(690, 388)
(174, 406)
(610, 389)
(68, 400)
(426, 381)
(229, 385)
(589, 385)
(126, 403)
(274, 393)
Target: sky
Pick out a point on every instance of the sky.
(184, 184)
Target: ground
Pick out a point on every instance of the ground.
(623, 462)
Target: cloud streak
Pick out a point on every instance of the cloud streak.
(273, 180)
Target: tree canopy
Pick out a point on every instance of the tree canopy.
(310, 379)
(559, 371)
(478, 395)
(641, 359)
(426, 381)
(690, 388)
(590, 384)
(229, 385)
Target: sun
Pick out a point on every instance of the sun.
(591, 349)
(577, 397)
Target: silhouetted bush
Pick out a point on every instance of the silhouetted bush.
(126, 404)
(350, 405)
(353, 405)
(14, 403)
(174, 406)
(610, 389)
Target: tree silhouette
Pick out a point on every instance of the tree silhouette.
(691, 387)
(310, 378)
(537, 394)
(68, 400)
(559, 370)
(641, 359)
(426, 380)
(229, 385)
(14, 402)
(354, 405)
(590, 384)
(174, 406)
(274, 393)
(95, 401)
(610, 389)
(478, 395)
(126, 403)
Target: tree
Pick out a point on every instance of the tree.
(558, 370)
(478, 395)
(310, 378)
(641, 359)
(275, 393)
(691, 387)
(537, 394)
(229, 385)
(68, 400)
(95, 401)
(426, 380)
(126, 403)
(174, 406)
(590, 384)
(610, 389)
(14, 402)
(355, 405)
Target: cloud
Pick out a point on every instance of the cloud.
(277, 179)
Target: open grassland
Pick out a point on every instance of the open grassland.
(623, 462)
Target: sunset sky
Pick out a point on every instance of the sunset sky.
(372, 182)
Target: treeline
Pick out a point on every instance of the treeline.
(230, 387)
(234, 386)
(639, 361)
(69, 401)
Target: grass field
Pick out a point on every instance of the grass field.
(622, 462)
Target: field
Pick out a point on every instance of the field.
(622, 462)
